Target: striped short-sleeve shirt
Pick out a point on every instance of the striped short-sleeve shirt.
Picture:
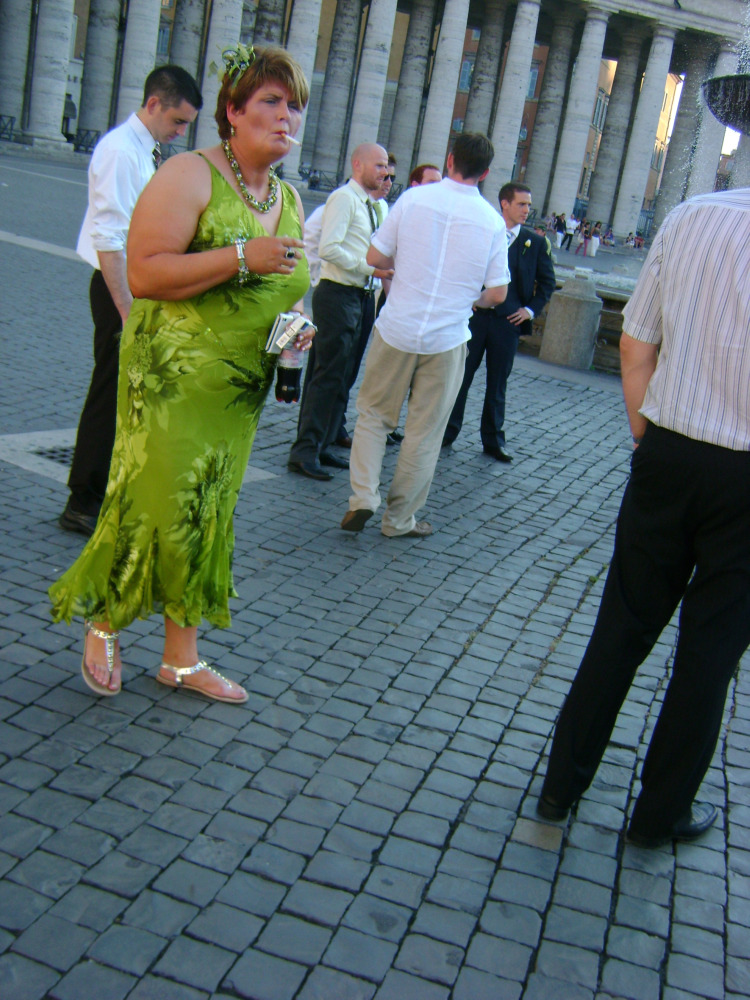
(693, 300)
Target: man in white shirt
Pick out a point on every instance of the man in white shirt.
(350, 218)
(683, 531)
(445, 242)
(123, 162)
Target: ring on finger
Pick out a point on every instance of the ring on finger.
(291, 253)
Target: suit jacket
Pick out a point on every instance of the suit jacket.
(532, 273)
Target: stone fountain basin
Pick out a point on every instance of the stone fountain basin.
(728, 97)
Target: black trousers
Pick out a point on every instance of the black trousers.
(96, 428)
(567, 238)
(368, 318)
(683, 533)
(337, 311)
(494, 336)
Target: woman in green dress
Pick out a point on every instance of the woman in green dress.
(214, 254)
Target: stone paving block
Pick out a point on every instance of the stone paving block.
(352, 843)
(231, 826)
(325, 984)
(396, 885)
(171, 817)
(737, 976)
(543, 987)
(588, 866)
(378, 917)
(89, 907)
(54, 942)
(259, 976)
(420, 827)
(153, 911)
(199, 797)
(511, 921)
(20, 837)
(92, 980)
(578, 894)
(316, 902)
(113, 817)
(21, 979)
(20, 907)
(360, 954)
(689, 973)
(295, 939)
(195, 963)
(121, 874)
(252, 894)
(515, 887)
(306, 809)
(473, 984)
(226, 926)
(568, 963)
(340, 871)
(46, 873)
(641, 915)
(153, 845)
(127, 949)
(623, 979)
(80, 843)
(189, 882)
(298, 838)
(398, 985)
(155, 988)
(636, 947)
(429, 959)
(25, 774)
(443, 924)
(55, 809)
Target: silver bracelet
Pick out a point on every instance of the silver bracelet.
(243, 272)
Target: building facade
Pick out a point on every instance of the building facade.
(535, 75)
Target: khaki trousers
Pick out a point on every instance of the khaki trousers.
(434, 381)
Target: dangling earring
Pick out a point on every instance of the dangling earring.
(232, 132)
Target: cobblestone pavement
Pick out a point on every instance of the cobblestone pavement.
(363, 827)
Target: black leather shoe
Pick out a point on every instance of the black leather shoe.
(499, 454)
(344, 442)
(446, 443)
(326, 458)
(700, 817)
(355, 520)
(547, 808)
(74, 520)
(310, 469)
(395, 437)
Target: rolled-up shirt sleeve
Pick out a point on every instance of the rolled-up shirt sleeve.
(114, 187)
(341, 242)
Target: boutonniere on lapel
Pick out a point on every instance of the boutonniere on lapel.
(526, 246)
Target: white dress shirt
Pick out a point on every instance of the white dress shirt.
(313, 227)
(121, 166)
(692, 299)
(447, 242)
(345, 236)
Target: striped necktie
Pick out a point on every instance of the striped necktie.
(156, 153)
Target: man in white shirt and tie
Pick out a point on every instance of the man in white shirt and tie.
(445, 243)
(123, 162)
(349, 220)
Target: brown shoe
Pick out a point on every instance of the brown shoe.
(355, 520)
(420, 530)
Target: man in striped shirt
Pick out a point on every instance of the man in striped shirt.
(683, 532)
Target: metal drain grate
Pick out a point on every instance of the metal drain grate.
(63, 454)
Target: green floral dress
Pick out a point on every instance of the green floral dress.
(193, 380)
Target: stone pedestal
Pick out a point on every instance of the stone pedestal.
(572, 323)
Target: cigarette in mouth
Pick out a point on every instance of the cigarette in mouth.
(292, 139)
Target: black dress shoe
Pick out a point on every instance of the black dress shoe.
(699, 818)
(499, 454)
(547, 808)
(310, 469)
(344, 442)
(327, 458)
(355, 520)
(75, 520)
(396, 437)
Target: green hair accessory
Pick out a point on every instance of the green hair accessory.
(236, 61)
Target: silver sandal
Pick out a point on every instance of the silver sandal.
(110, 638)
(180, 673)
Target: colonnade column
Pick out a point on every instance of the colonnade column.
(138, 54)
(612, 149)
(486, 68)
(513, 90)
(224, 28)
(740, 176)
(578, 111)
(187, 35)
(269, 22)
(302, 42)
(710, 137)
(676, 171)
(549, 111)
(15, 28)
(337, 86)
(50, 70)
(373, 71)
(411, 83)
(443, 82)
(643, 133)
(99, 65)
(249, 16)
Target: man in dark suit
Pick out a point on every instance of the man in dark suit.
(496, 331)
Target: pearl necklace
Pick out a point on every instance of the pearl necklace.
(273, 184)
